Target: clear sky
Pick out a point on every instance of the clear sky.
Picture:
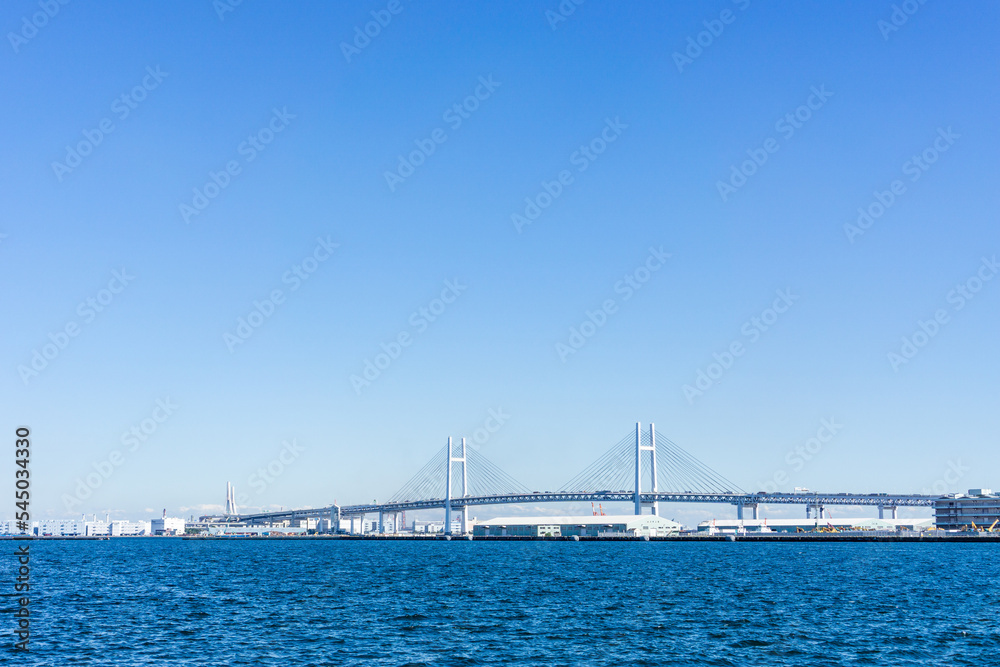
(674, 170)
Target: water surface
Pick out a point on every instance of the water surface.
(287, 602)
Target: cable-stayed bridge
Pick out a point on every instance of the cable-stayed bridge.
(643, 468)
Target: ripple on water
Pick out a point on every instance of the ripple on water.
(156, 602)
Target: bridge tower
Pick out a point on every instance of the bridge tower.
(639, 449)
(334, 518)
(450, 458)
(652, 466)
(465, 490)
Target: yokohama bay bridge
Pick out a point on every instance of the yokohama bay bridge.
(642, 468)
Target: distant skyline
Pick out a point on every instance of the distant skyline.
(334, 235)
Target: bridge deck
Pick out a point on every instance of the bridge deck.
(745, 499)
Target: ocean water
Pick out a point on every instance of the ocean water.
(286, 602)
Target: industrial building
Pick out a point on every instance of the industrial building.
(741, 526)
(628, 525)
(254, 531)
(129, 528)
(978, 509)
(435, 527)
(77, 528)
(70, 528)
(167, 525)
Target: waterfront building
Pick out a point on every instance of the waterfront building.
(306, 524)
(167, 525)
(978, 509)
(60, 527)
(10, 528)
(240, 530)
(626, 525)
(77, 528)
(129, 528)
(71, 528)
(435, 527)
(741, 526)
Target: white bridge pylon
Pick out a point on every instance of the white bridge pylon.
(639, 449)
(450, 461)
(646, 468)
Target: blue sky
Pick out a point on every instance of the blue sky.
(308, 129)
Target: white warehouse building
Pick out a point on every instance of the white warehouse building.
(624, 525)
(167, 525)
(77, 528)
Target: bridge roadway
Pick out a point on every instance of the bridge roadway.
(740, 500)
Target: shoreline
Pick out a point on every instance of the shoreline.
(791, 537)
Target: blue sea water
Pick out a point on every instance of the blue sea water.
(287, 602)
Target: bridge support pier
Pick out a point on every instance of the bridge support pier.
(883, 508)
(814, 506)
(751, 506)
(381, 522)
